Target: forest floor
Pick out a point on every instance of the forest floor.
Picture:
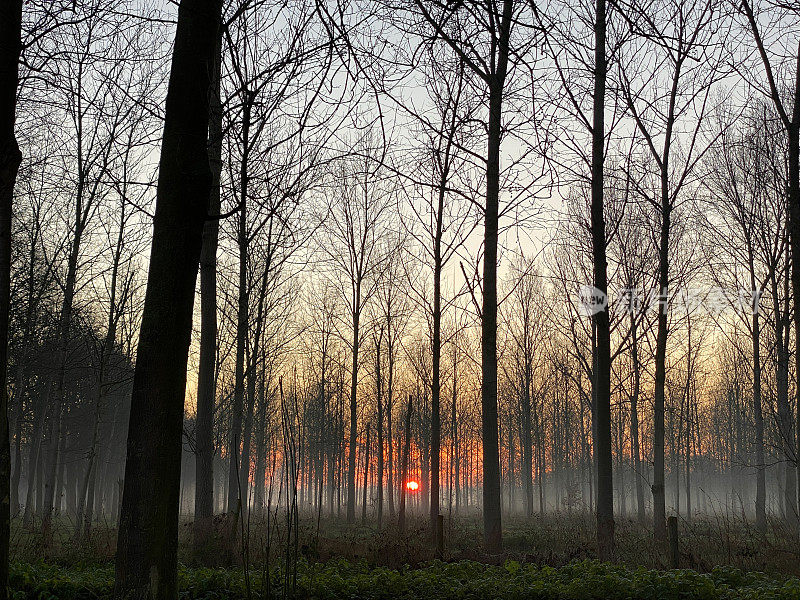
(550, 557)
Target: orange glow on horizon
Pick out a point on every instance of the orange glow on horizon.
(412, 486)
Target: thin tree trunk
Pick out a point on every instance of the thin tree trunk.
(602, 375)
(351, 460)
(492, 519)
(401, 523)
(761, 481)
(527, 445)
(234, 448)
(785, 420)
(659, 498)
(635, 449)
(389, 405)
(34, 454)
(366, 477)
(379, 400)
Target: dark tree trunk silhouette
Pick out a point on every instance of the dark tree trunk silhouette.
(635, 446)
(10, 158)
(659, 496)
(146, 563)
(492, 520)
(761, 479)
(602, 362)
(379, 401)
(351, 446)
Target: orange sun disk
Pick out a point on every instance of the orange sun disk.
(412, 486)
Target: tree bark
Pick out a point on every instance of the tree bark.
(146, 563)
(761, 478)
(379, 399)
(492, 519)
(635, 447)
(436, 348)
(659, 496)
(10, 159)
(602, 375)
(527, 443)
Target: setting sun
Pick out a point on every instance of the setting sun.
(412, 486)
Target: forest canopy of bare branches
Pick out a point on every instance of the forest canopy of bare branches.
(284, 281)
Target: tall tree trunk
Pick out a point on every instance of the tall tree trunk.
(527, 443)
(436, 348)
(65, 321)
(146, 564)
(379, 399)
(785, 420)
(794, 237)
(252, 373)
(659, 498)
(456, 455)
(602, 375)
(492, 519)
(10, 158)
(761, 477)
(389, 405)
(50, 499)
(351, 459)
(688, 450)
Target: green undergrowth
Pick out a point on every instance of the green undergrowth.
(342, 580)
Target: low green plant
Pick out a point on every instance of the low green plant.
(462, 580)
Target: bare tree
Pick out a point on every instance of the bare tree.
(355, 225)
(441, 215)
(146, 564)
(743, 212)
(684, 36)
(480, 35)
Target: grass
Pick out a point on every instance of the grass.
(460, 580)
(551, 557)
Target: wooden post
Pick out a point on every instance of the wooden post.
(440, 536)
(672, 526)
